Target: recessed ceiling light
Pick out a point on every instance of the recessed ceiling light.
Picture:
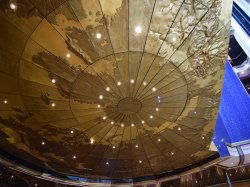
(119, 83)
(151, 117)
(71, 131)
(53, 104)
(153, 89)
(12, 6)
(142, 122)
(174, 39)
(43, 143)
(112, 123)
(138, 29)
(172, 153)
(203, 137)
(157, 109)
(196, 182)
(98, 106)
(179, 128)
(53, 80)
(122, 125)
(107, 89)
(144, 83)
(98, 35)
(74, 157)
(104, 117)
(36, 185)
(68, 55)
(136, 146)
(100, 96)
(159, 139)
(140, 161)
(12, 176)
(132, 81)
(5, 101)
(91, 140)
(113, 147)
(107, 163)
(132, 125)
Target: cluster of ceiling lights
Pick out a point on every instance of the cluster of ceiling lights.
(138, 30)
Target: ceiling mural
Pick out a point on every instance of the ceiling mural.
(111, 89)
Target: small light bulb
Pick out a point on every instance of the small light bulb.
(151, 117)
(132, 81)
(142, 122)
(104, 117)
(157, 109)
(132, 125)
(144, 83)
(5, 101)
(35, 184)
(138, 29)
(203, 137)
(72, 132)
(140, 161)
(53, 104)
(112, 123)
(174, 39)
(107, 89)
(113, 147)
(159, 139)
(119, 83)
(179, 129)
(68, 55)
(153, 89)
(98, 106)
(100, 96)
(172, 153)
(136, 146)
(74, 157)
(53, 80)
(122, 125)
(43, 143)
(98, 35)
(91, 140)
(13, 6)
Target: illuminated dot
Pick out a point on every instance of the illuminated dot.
(91, 140)
(74, 157)
(132, 125)
(112, 123)
(136, 146)
(43, 143)
(140, 161)
(151, 117)
(35, 184)
(100, 96)
(153, 89)
(119, 83)
(132, 81)
(53, 80)
(196, 182)
(104, 117)
(12, 176)
(108, 89)
(174, 39)
(138, 29)
(113, 147)
(5, 101)
(107, 163)
(68, 55)
(172, 153)
(98, 36)
(203, 137)
(98, 106)
(53, 104)
(122, 125)
(71, 132)
(144, 83)
(142, 122)
(13, 6)
(157, 109)
(159, 139)
(179, 129)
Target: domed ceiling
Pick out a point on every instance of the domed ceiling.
(111, 89)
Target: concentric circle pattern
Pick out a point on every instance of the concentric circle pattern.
(111, 89)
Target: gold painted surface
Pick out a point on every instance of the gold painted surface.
(145, 103)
